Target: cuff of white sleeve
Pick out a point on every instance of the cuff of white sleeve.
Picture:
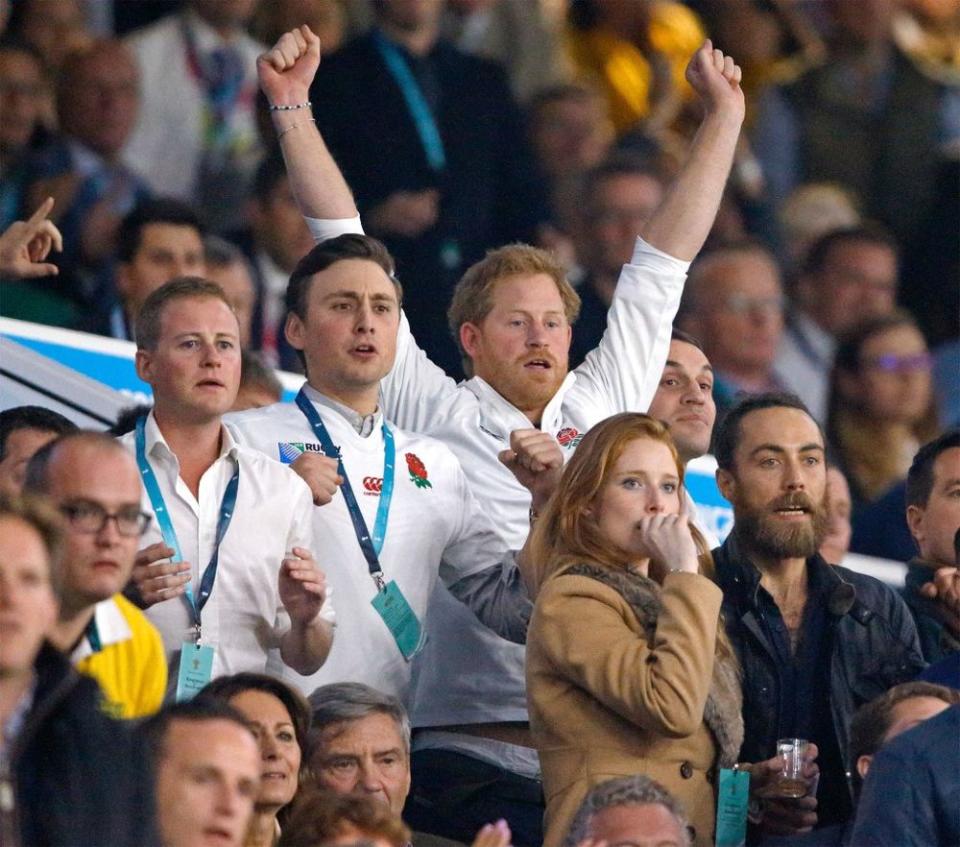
(644, 253)
(323, 229)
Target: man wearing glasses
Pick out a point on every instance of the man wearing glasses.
(94, 483)
(734, 304)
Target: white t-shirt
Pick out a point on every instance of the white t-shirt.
(243, 619)
(435, 526)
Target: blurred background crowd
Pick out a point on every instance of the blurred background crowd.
(832, 269)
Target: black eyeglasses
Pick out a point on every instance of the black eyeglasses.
(92, 517)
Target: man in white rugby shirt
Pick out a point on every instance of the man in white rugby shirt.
(511, 314)
(394, 509)
(242, 592)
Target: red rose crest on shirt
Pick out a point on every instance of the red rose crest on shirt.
(418, 473)
(569, 437)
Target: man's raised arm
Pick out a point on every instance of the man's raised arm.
(683, 220)
(286, 73)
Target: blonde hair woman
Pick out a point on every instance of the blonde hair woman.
(628, 667)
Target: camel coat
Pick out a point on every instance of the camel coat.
(620, 674)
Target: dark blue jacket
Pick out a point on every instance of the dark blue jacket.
(874, 646)
(911, 797)
(935, 639)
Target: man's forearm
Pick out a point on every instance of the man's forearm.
(683, 220)
(305, 647)
(315, 179)
(498, 597)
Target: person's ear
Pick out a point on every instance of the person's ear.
(470, 338)
(727, 484)
(863, 765)
(295, 331)
(915, 515)
(144, 364)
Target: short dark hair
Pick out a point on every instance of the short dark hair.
(220, 253)
(154, 729)
(31, 417)
(729, 431)
(225, 688)
(37, 480)
(920, 475)
(127, 419)
(160, 210)
(151, 312)
(329, 252)
(623, 163)
(868, 232)
(686, 338)
(871, 722)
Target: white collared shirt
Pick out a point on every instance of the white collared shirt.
(244, 618)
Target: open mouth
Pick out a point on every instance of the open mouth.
(364, 350)
(793, 510)
(217, 835)
(538, 364)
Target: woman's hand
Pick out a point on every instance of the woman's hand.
(668, 541)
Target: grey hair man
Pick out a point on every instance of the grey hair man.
(360, 743)
(630, 811)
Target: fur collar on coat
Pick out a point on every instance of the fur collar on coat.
(722, 712)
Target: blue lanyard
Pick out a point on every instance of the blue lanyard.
(417, 105)
(371, 547)
(227, 506)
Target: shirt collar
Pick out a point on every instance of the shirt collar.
(156, 445)
(112, 628)
(823, 581)
(364, 425)
(85, 161)
(500, 417)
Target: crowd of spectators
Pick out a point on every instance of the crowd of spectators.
(484, 611)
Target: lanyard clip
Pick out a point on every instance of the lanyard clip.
(378, 579)
(196, 627)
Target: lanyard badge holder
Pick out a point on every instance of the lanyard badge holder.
(196, 659)
(732, 801)
(389, 602)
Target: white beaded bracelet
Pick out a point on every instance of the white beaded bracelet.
(293, 108)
